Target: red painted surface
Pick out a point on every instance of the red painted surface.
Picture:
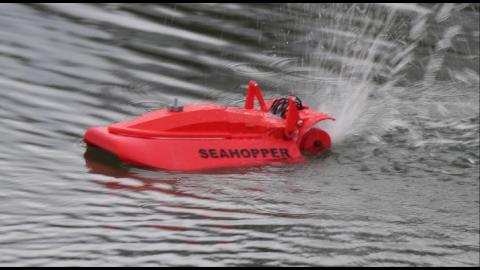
(206, 136)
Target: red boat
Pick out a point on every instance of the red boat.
(206, 136)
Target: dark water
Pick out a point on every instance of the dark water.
(399, 188)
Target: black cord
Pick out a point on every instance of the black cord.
(299, 103)
(280, 105)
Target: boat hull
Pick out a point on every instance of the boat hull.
(195, 154)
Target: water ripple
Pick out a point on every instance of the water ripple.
(399, 188)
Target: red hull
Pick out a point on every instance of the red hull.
(198, 137)
(194, 154)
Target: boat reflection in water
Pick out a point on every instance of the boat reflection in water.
(105, 163)
(182, 191)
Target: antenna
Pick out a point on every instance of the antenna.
(175, 107)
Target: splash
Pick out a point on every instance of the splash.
(369, 54)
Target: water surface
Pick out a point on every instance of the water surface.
(399, 188)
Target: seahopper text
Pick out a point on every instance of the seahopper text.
(244, 153)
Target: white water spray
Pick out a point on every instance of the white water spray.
(365, 52)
